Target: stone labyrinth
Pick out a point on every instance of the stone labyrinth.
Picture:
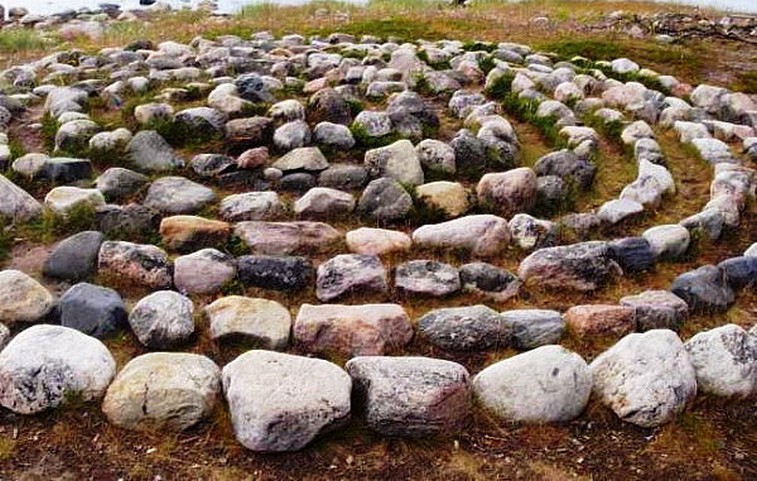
(304, 231)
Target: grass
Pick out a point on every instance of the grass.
(20, 40)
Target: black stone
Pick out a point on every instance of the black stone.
(75, 258)
(633, 254)
(94, 310)
(704, 290)
(486, 277)
(280, 273)
(740, 272)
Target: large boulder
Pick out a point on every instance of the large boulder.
(163, 390)
(584, 266)
(44, 366)
(361, 330)
(411, 396)
(473, 328)
(163, 319)
(279, 402)
(647, 379)
(483, 235)
(545, 385)
(236, 317)
(23, 299)
(725, 361)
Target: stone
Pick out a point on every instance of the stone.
(163, 319)
(309, 159)
(546, 385)
(372, 124)
(740, 272)
(213, 165)
(150, 152)
(329, 106)
(251, 87)
(251, 206)
(292, 135)
(62, 200)
(286, 111)
(462, 103)
(74, 258)
(600, 320)
(509, 192)
(714, 151)
(384, 200)
(489, 280)
(472, 328)
(5, 336)
(96, 311)
(281, 273)
(725, 361)
(335, 136)
(185, 233)
(46, 366)
(704, 289)
(74, 135)
(411, 396)
(568, 166)
(532, 328)
(350, 273)
(471, 154)
(359, 330)
(23, 299)
(657, 310)
(145, 265)
(16, 204)
(203, 272)
(280, 402)
(616, 210)
(751, 251)
(448, 198)
(249, 132)
(343, 177)
(372, 241)
(669, 241)
(427, 278)
(265, 322)
(529, 232)
(177, 195)
(162, 390)
(633, 254)
(282, 238)
(117, 183)
(484, 235)
(153, 113)
(436, 156)
(646, 379)
(113, 142)
(132, 221)
(584, 266)
(253, 158)
(324, 202)
(397, 161)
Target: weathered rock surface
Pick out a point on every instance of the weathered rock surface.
(261, 320)
(372, 241)
(473, 328)
(15, 203)
(350, 273)
(74, 258)
(23, 299)
(600, 320)
(142, 264)
(704, 289)
(281, 273)
(282, 238)
(483, 235)
(584, 266)
(177, 195)
(532, 328)
(96, 311)
(203, 272)
(163, 319)
(657, 310)
(429, 278)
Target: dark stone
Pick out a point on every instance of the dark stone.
(705, 289)
(740, 272)
(472, 328)
(385, 199)
(410, 103)
(297, 182)
(585, 266)
(212, 165)
(568, 166)
(94, 310)
(470, 153)
(430, 278)
(344, 177)
(133, 221)
(633, 254)
(327, 105)
(75, 258)
(251, 87)
(534, 327)
(66, 170)
(280, 273)
(486, 277)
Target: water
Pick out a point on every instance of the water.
(230, 6)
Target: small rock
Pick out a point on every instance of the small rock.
(96, 311)
(668, 241)
(473, 328)
(23, 299)
(324, 202)
(150, 152)
(349, 273)
(163, 319)
(427, 278)
(489, 280)
(117, 183)
(282, 238)
(185, 233)
(251, 206)
(385, 199)
(397, 161)
(600, 320)
(62, 200)
(483, 235)
(261, 320)
(584, 266)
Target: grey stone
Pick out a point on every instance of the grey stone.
(436, 156)
(150, 152)
(117, 183)
(532, 328)
(350, 273)
(397, 161)
(45, 366)
(23, 299)
(633, 254)
(489, 280)
(529, 232)
(292, 135)
(96, 311)
(309, 159)
(178, 195)
(332, 135)
(473, 328)
(203, 272)
(584, 266)
(266, 322)
(163, 319)
(657, 310)
(212, 165)
(411, 396)
(568, 166)
(279, 402)
(704, 289)
(548, 384)
(74, 258)
(251, 206)
(344, 177)
(616, 210)
(15, 203)
(372, 123)
(281, 273)
(428, 278)
(483, 235)
(740, 272)
(145, 265)
(385, 199)
(324, 202)
(281, 238)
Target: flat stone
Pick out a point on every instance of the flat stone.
(23, 299)
(427, 278)
(351, 273)
(163, 319)
(546, 385)
(584, 266)
(279, 402)
(704, 289)
(361, 330)
(217, 270)
(489, 280)
(657, 310)
(411, 396)
(484, 235)
(600, 320)
(646, 379)
(177, 195)
(45, 366)
(372, 241)
(281, 273)
(473, 328)
(266, 322)
(96, 311)
(251, 206)
(532, 328)
(185, 233)
(282, 238)
(162, 390)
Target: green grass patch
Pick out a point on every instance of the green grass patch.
(17, 40)
(51, 226)
(50, 127)
(501, 87)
